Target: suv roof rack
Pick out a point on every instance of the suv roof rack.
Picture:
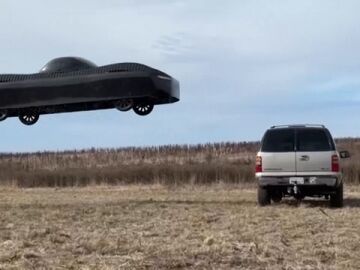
(299, 126)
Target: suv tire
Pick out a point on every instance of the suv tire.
(263, 196)
(337, 199)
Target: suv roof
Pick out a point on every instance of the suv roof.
(299, 126)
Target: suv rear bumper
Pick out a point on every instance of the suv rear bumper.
(309, 181)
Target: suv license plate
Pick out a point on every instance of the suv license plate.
(296, 180)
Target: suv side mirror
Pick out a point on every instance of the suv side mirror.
(344, 154)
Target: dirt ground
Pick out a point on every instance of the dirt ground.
(154, 227)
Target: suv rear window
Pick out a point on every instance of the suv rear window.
(313, 140)
(278, 140)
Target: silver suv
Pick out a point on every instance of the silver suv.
(299, 161)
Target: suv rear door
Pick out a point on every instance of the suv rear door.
(315, 149)
(278, 152)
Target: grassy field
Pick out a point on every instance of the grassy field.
(192, 227)
(226, 162)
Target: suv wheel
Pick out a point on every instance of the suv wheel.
(337, 199)
(263, 196)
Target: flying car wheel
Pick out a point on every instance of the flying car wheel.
(29, 118)
(143, 108)
(3, 114)
(124, 105)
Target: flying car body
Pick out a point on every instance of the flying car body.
(71, 84)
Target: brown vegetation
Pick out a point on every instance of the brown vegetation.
(173, 164)
(190, 227)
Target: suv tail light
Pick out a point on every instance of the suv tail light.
(335, 163)
(258, 164)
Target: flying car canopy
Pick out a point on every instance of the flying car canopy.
(67, 64)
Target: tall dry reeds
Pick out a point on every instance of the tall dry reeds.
(172, 164)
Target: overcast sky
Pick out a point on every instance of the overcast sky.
(243, 66)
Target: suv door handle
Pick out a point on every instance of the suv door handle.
(304, 158)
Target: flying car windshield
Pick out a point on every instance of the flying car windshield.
(67, 64)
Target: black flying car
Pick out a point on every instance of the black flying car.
(71, 84)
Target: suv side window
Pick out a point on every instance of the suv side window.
(309, 140)
(278, 140)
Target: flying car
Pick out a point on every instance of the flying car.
(70, 84)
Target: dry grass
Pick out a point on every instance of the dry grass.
(170, 164)
(194, 227)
